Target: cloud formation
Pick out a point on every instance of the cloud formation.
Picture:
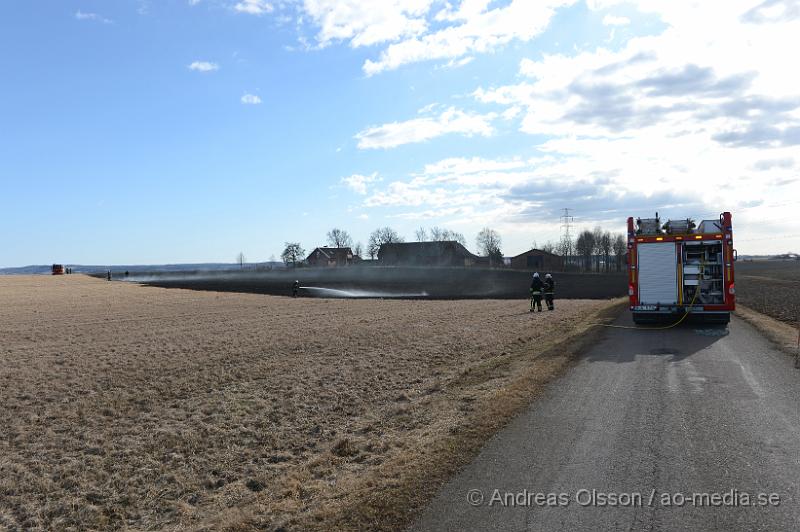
(203, 66)
(423, 30)
(450, 120)
(689, 122)
(82, 15)
(253, 7)
(358, 183)
(367, 23)
(611, 20)
(250, 99)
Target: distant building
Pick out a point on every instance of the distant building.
(536, 259)
(446, 253)
(331, 257)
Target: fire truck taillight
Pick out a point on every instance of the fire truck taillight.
(630, 289)
(731, 289)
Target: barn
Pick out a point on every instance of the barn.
(537, 259)
(444, 253)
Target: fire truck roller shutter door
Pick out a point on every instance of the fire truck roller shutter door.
(657, 273)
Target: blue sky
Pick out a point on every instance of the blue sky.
(187, 131)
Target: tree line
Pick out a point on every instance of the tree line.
(591, 250)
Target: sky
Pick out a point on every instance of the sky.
(173, 131)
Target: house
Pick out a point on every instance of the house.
(331, 257)
(537, 259)
(444, 253)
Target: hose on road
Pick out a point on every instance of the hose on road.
(664, 327)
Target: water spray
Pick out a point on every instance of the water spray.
(362, 294)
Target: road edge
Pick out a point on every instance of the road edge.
(780, 334)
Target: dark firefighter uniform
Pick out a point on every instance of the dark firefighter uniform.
(295, 288)
(536, 292)
(549, 290)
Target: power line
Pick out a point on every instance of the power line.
(566, 222)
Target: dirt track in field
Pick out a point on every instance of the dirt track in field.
(125, 405)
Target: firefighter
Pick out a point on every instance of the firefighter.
(549, 289)
(295, 288)
(536, 292)
(108, 276)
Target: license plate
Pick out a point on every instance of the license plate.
(645, 307)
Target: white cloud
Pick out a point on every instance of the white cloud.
(81, 15)
(253, 7)
(203, 66)
(450, 120)
(689, 122)
(367, 23)
(611, 20)
(411, 31)
(458, 63)
(479, 31)
(358, 183)
(250, 99)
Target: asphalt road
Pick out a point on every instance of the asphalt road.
(670, 414)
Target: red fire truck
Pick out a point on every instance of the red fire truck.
(679, 267)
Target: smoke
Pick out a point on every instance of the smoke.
(384, 282)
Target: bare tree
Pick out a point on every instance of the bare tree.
(548, 247)
(240, 259)
(440, 234)
(358, 250)
(605, 249)
(620, 248)
(533, 244)
(383, 235)
(597, 235)
(292, 253)
(454, 236)
(584, 247)
(339, 238)
(566, 248)
(488, 242)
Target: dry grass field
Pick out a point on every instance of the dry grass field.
(125, 406)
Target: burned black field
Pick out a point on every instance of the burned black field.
(381, 282)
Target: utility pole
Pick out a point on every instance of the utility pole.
(566, 222)
(566, 239)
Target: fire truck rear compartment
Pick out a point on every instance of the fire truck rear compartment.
(703, 267)
(678, 276)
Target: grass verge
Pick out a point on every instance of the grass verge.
(780, 333)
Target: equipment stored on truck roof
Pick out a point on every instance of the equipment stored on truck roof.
(681, 267)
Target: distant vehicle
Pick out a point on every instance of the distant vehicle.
(681, 267)
(58, 269)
